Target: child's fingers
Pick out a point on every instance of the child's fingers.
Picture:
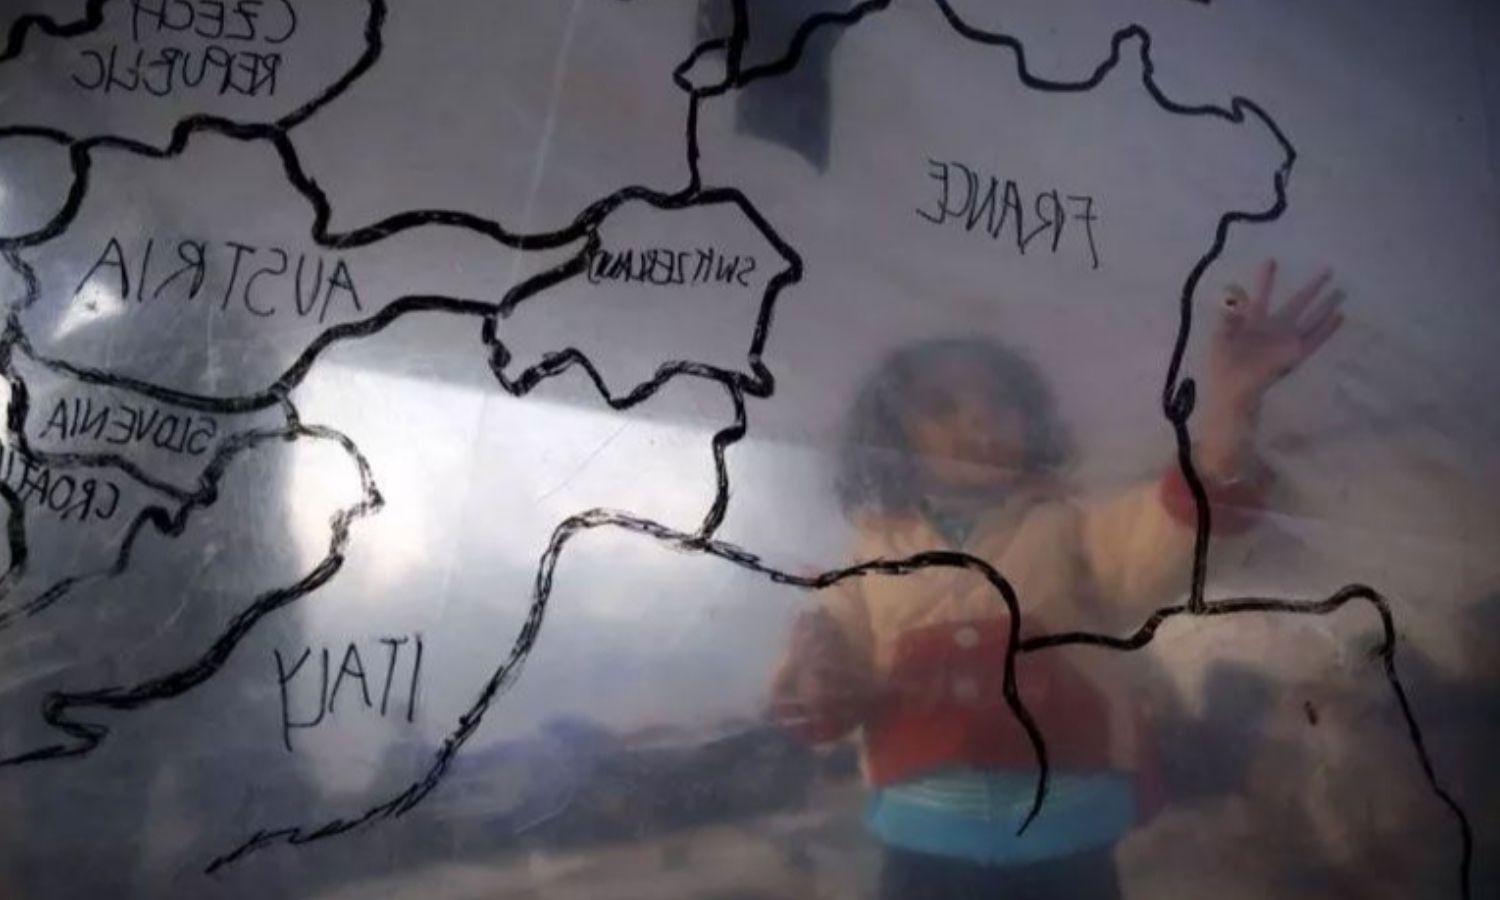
(1314, 320)
(1299, 302)
(1232, 313)
(1319, 336)
(1265, 284)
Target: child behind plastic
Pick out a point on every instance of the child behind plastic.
(954, 444)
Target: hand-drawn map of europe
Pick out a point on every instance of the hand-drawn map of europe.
(330, 325)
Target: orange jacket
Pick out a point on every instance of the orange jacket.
(935, 640)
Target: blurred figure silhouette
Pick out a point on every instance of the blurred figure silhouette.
(954, 444)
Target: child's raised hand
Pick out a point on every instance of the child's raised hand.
(1256, 344)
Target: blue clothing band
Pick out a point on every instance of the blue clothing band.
(973, 815)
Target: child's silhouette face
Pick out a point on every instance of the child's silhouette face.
(966, 435)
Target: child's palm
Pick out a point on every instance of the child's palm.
(1256, 346)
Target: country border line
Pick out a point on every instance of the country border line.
(1179, 394)
(58, 705)
(509, 671)
(93, 18)
(1178, 399)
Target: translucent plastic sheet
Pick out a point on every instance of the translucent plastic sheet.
(586, 448)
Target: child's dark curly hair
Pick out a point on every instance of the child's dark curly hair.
(879, 470)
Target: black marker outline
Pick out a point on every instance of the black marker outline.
(15, 42)
(509, 670)
(585, 227)
(13, 341)
(1177, 398)
(168, 521)
(1179, 395)
(58, 704)
(15, 438)
(1177, 405)
(93, 20)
